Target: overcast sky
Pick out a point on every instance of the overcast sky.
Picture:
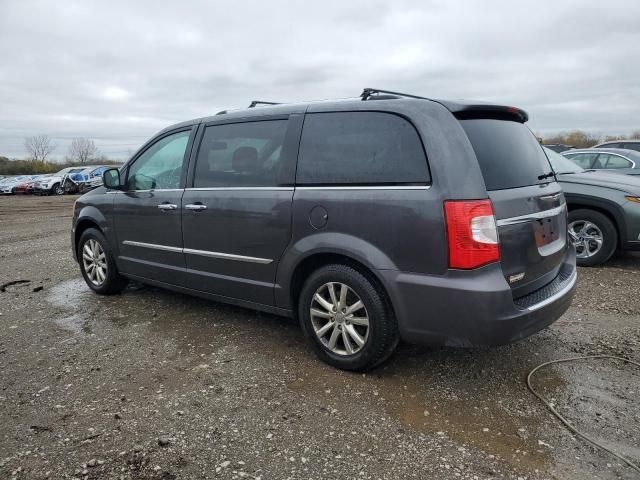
(118, 71)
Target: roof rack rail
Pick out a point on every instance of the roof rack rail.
(369, 92)
(260, 102)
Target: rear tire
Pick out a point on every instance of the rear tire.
(349, 336)
(97, 263)
(56, 190)
(594, 236)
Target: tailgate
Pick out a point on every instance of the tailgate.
(528, 203)
(532, 232)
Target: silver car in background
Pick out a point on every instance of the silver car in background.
(614, 160)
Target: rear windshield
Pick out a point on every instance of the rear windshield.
(508, 153)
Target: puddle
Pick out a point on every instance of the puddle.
(74, 323)
(72, 297)
(70, 294)
(490, 413)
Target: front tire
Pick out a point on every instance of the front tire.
(594, 236)
(346, 318)
(97, 264)
(57, 189)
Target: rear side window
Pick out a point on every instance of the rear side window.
(508, 153)
(632, 146)
(584, 160)
(613, 161)
(360, 148)
(241, 155)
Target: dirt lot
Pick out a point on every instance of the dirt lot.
(153, 384)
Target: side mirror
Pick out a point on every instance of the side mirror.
(111, 179)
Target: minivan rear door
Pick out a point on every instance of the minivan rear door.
(529, 206)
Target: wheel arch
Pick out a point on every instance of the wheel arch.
(609, 209)
(315, 260)
(89, 217)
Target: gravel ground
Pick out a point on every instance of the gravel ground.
(156, 385)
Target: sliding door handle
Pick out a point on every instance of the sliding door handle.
(167, 206)
(195, 206)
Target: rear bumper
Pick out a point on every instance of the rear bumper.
(477, 307)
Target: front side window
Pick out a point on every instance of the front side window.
(160, 166)
(584, 160)
(613, 161)
(241, 155)
(360, 148)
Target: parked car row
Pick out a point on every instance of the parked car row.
(66, 181)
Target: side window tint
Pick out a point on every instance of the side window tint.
(241, 155)
(584, 160)
(351, 148)
(632, 146)
(613, 161)
(160, 166)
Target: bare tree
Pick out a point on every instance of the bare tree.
(82, 150)
(635, 135)
(39, 146)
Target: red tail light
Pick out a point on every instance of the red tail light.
(472, 233)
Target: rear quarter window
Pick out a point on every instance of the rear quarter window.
(508, 153)
(360, 148)
(632, 146)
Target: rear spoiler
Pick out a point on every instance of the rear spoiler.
(461, 110)
(473, 111)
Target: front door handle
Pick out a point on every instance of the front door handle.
(167, 206)
(195, 206)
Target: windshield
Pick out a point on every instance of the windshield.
(561, 164)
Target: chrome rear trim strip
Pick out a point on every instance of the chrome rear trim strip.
(154, 246)
(222, 189)
(531, 217)
(227, 256)
(372, 187)
(204, 253)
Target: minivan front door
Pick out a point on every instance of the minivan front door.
(147, 214)
(236, 218)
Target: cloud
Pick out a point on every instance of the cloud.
(118, 71)
(115, 93)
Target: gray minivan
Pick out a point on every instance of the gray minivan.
(370, 220)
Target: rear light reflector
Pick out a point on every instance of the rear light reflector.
(472, 233)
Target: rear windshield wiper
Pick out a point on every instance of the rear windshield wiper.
(546, 175)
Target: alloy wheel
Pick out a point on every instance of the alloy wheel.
(94, 261)
(586, 237)
(339, 318)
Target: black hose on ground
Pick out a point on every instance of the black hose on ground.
(567, 424)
